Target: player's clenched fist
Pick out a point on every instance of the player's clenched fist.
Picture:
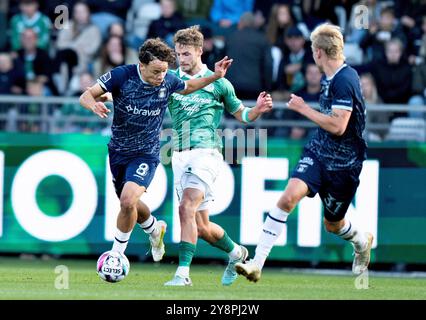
(264, 102)
(296, 103)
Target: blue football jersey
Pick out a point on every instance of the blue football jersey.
(138, 109)
(342, 91)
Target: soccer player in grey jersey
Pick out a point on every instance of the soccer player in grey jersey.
(140, 93)
(331, 161)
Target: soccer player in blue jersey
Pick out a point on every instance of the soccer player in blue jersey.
(331, 161)
(140, 93)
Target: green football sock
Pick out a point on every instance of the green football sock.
(186, 252)
(225, 243)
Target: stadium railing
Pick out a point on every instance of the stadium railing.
(64, 114)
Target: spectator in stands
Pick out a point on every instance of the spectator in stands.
(417, 44)
(369, 89)
(387, 28)
(104, 13)
(166, 26)
(4, 8)
(314, 12)
(290, 75)
(226, 14)
(85, 80)
(30, 18)
(34, 89)
(211, 52)
(422, 46)
(263, 9)
(309, 93)
(419, 75)
(280, 20)
(410, 14)
(195, 11)
(38, 65)
(12, 78)
(393, 75)
(419, 90)
(116, 29)
(79, 42)
(114, 53)
(251, 70)
(371, 96)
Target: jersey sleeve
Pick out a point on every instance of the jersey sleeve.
(342, 93)
(176, 83)
(112, 80)
(229, 98)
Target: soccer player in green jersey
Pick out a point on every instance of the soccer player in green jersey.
(197, 153)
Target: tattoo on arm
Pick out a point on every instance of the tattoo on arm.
(334, 115)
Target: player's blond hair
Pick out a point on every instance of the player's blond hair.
(191, 36)
(329, 38)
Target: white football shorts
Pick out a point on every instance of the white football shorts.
(196, 168)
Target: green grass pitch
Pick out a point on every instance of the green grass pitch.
(35, 279)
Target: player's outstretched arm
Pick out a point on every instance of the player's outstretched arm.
(219, 72)
(334, 123)
(88, 100)
(263, 104)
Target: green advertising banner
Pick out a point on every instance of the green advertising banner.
(57, 198)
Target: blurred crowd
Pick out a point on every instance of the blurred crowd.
(59, 47)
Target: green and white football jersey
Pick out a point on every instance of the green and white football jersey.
(197, 116)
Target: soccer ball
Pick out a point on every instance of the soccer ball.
(112, 266)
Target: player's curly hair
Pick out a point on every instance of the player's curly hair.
(156, 48)
(329, 38)
(191, 36)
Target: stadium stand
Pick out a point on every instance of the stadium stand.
(404, 20)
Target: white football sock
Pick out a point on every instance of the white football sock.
(148, 226)
(235, 253)
(272, 228)
(120, 241)
(182, 271)
(352, 233)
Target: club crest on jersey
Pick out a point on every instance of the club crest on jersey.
(209, 87)
(162, 93)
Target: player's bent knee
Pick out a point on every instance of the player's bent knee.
(203, 232)
(186, 211)
(287, 202)
(127, 204)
